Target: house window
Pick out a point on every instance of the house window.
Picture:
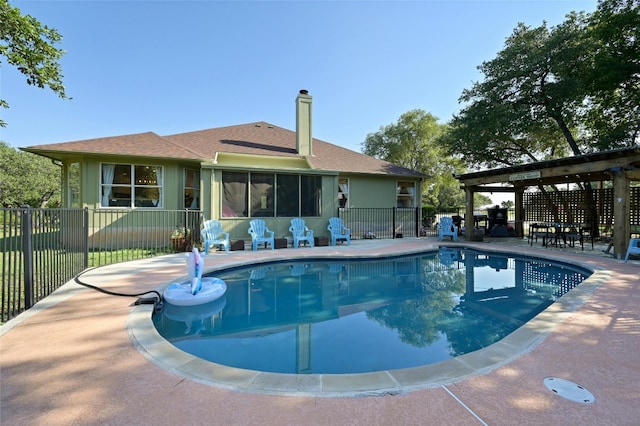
(406, 194)
(73, 185)
(270, 195)
(191, 189)
(343, 192)
(128, 185)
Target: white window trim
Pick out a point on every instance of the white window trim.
(409, 194)
(133, 186)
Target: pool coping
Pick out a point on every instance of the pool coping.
(155, 348)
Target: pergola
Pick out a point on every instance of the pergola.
(619, 166)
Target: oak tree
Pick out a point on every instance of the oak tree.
(413, 142)
(27, 179)
(30, 46)
(552, 92)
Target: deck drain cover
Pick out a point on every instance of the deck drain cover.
(569, 390)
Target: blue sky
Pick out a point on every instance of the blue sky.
(178, 66)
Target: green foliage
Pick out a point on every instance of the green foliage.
(29, 46)
(418, 321)
(181, 232)
(428, 211)
(28, 179)
(413, 142)
(614, 77)
(109, 257)
(550, 92)
(481, 199)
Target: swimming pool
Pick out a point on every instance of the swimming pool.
(336, 316)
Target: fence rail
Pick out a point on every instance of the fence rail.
(44, 248)
(367, 223)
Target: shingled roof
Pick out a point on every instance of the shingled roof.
(258, 138)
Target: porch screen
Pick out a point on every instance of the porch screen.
(270, 195)
(235, 194)
(262, 195)
(311, 190)
(288, 195)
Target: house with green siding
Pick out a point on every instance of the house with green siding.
(233, 174)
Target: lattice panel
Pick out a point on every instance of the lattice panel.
(634, 206)
(572, 206)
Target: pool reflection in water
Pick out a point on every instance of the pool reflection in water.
(339, 316)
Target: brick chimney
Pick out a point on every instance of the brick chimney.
(304, 136)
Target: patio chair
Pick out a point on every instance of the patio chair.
(259, 273)
(298, 269)
(448, 256)
(447, 227)
(300, 233)
(634, 248)
(577, 234)
(538, 230)
(260, 234)
(335, 268)
(338, 231)
(213, 234)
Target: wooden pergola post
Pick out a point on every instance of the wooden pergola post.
(469, 220)
(519, 207)
(621, 229)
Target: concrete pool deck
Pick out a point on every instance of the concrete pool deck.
(78, 358)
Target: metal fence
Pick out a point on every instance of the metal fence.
(44, 248)
(38, 254)
(365, 223)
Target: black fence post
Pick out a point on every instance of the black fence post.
(85, 227)
(393, 224)
(27, 253)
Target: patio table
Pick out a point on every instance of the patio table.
(563, 234)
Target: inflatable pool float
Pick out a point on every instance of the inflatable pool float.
(180, 294)
(195, 319)
(193, 313)
(197, 290)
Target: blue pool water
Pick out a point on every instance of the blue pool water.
(339, 316)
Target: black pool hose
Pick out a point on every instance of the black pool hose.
(157, 301)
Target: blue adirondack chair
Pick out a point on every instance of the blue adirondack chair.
(213, 234)
(336, 268)
(338, 231)
(448, 256)
(634, 247)
(300, 233)
(447, 227)
(298, 269)
(260, 234)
